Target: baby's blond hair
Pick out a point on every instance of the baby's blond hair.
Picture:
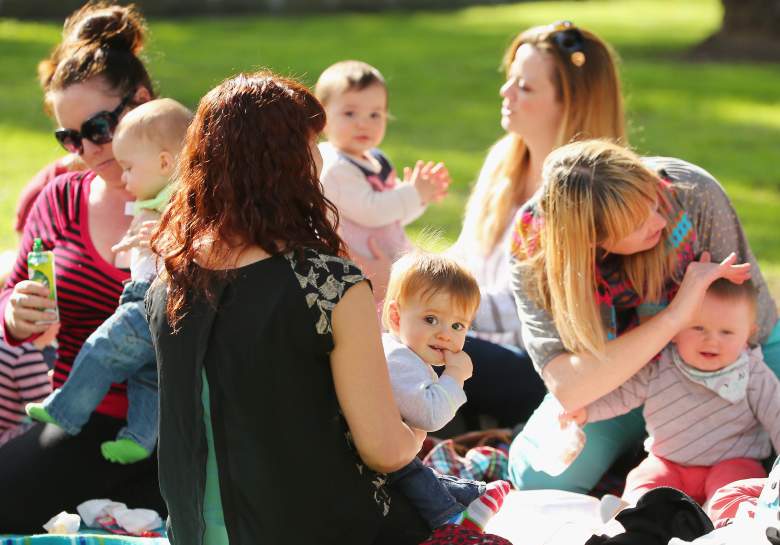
(423, 275)
(163, 122)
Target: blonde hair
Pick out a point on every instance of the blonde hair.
(592, 106)
(422, 274)
(163, 122)
(595, 192)
(346, 76)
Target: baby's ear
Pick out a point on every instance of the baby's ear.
(753, 338)
(167, 163)
(393, 316)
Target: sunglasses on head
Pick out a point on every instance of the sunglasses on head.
(98, 129)
(569, 40)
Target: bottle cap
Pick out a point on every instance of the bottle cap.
(37, 245)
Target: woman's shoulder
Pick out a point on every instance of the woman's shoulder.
(73, 177)
(682, 174)
(68, 185)
(496, 155)
(696, 189)
(324, 278)
(321, 261)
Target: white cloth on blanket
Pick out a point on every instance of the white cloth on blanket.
(134, 521)
(550, 517)
(742, 532)
(91, 510)
(137, 521)
(63, 523)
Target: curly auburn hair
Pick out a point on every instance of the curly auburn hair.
(246, 176)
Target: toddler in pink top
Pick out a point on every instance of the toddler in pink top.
(356, 176)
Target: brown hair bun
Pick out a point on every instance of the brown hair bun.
(103, 40)
(106, 25)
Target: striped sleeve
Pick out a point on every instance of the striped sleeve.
(629, 395)
(32, 375)
(764, 397)
(23, 379)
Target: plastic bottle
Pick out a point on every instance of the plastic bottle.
(40, 268)
(547, 446)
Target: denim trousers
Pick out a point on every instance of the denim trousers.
(119, 350)
(436, 497)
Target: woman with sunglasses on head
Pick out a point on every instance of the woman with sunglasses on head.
(562, 85)
(91, 79)
(612, 258)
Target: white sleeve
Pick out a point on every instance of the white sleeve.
(425, 403)
(497, 312)
(345, 185)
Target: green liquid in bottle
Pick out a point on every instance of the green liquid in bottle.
(40, 268)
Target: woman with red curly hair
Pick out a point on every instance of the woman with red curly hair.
(277, 419)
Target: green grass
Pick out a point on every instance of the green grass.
(442, 69)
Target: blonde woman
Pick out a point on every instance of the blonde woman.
(562, 85)
(611, 259)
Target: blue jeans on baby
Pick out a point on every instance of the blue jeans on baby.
(438, 498)
(117, 351)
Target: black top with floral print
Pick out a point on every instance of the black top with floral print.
(288, 471)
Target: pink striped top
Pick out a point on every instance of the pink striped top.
(23, 379)
(88, 287)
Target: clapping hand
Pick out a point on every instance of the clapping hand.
(432, 180)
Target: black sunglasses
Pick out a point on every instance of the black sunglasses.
(98, 129)
(569, 40)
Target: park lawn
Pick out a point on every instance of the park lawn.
(443, 72)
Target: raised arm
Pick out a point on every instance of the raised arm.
(579, 379)
(22, 300)
(362, 384)
(425, 403)
(346, 187)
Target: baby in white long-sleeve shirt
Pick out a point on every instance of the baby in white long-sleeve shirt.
(356, 176)
(430, 303)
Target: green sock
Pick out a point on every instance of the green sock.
(36, 411)
(123, 451)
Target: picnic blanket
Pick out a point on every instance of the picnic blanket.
(89, 537)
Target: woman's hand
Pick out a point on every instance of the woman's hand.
(698, 277)
(24, 312)
(47, 337)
